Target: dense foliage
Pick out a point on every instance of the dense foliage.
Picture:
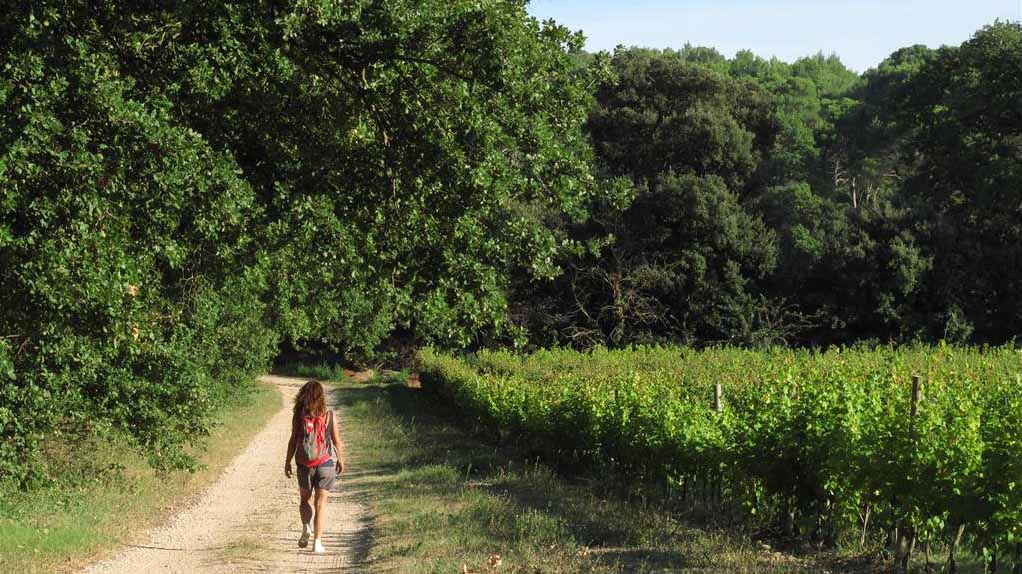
(828, 446)
(184, 185)
(799, 203)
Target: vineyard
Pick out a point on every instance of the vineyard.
(911, 450)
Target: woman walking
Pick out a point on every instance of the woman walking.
(316, 446)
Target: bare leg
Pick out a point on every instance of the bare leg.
(304, 508)
(321, 494)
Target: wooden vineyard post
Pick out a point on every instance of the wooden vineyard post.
(916, 396)
(715, 482)
(904, 540)
(1017, 569)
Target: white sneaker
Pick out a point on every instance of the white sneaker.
(317, 547)
(304, 540)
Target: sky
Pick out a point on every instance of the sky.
(861, 32)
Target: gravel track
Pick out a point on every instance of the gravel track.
(247, 521)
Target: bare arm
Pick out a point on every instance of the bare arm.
(338, 446)
(291, 446)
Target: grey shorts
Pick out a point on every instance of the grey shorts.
(322, 476)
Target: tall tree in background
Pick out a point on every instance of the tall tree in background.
(880, 204)
(685, 256)
(964, 109)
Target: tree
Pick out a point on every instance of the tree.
(129, 280)
(964, 106)
(665, 115)
(183, 185)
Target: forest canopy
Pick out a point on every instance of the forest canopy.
(188, 187)
(800, 203)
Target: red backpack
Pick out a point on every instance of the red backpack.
(315, 449)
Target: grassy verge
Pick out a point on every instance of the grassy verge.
(444, 501)
(58, 529)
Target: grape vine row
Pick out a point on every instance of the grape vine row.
(833, 446)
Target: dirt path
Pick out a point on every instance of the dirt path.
(248, 520)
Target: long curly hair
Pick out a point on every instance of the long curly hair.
(311, 400)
